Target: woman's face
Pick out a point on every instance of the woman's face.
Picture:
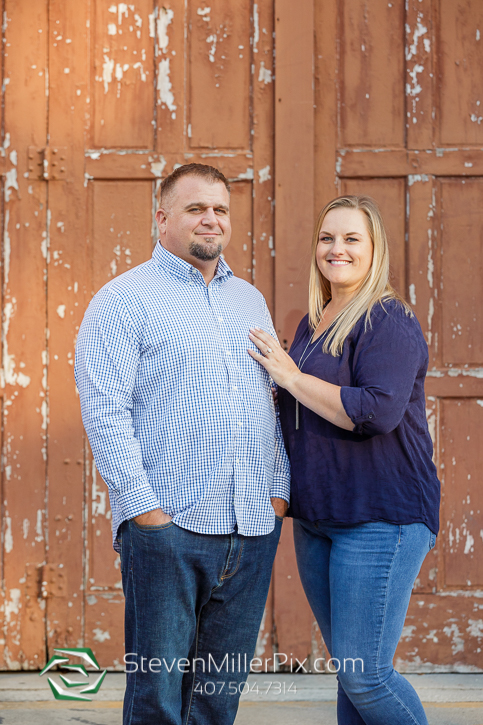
(344, 251)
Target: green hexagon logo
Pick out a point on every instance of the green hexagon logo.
(62, 660)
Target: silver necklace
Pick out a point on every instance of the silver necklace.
(300, 365)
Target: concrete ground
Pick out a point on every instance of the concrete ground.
(26, 699)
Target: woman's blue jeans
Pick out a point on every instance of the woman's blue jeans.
(358, 580)
(194, 603)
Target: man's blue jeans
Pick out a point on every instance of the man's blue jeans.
(194, 603)
(358, 581)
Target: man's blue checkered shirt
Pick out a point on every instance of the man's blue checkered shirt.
(178, 415)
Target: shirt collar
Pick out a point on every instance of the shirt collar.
(184, 270)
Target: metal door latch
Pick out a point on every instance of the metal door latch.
(48, 163)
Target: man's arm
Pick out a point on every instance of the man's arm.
(107, 360)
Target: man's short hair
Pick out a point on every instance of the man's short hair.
(204, 171)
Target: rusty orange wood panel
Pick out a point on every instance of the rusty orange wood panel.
(380, 99)
(24, 339)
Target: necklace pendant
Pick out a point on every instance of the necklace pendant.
(297, 415)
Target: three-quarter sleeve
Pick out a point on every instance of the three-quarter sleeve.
(388, 357)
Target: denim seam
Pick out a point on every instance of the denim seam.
(188, 714)
(130, 574)
(228, 576)
(385, 603)
(156, 527)
(384, 684)
(400, 702)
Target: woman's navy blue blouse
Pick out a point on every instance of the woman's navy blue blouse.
(382, 470)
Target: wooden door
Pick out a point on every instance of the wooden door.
(100, 101)
(395, 112)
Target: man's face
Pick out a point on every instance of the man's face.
(194, 222)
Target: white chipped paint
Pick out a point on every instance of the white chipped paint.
(61, 311)
(98, 495)
(45, 360)
(38, 526)
(430, 319)
(25, 528)
(107, 70)
(100, 635)
(480, 403)
(265, 74)
(475, 628)
(478, 34)
(204, 12)
(142, 72)
(163, 21)
(164, 86)
(6, 247)
(91, 599)
(431, 418)
(248, 174)
(469, 544)
(457, 642)
(262, 638)
(152, 25)
(256, 28)
(412, 294)
(413, 88)
(11, 182)
(213, 38)
(8, 538)
(264, 174)
(9, 376)
(419, 31)
(476, 119)
(118, 72)
(157, 167)
(8, 472)
(12, 605)
(413, 178)
(430, 259)
(112, 29)
(408, 631)
(472, 372)
(44, 411)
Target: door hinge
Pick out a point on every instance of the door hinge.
(48, 163)
(54, 581)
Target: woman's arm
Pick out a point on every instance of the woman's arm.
(387, 358)
(318, 395)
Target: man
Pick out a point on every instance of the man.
(183, 430)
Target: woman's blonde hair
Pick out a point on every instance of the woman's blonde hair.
(373, 289)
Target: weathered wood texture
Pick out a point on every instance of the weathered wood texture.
(123, 93)
(398, 98)
(380, 98)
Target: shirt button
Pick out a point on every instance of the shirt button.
(228, 352)
(220, 319)
(370, 416)
(235, 387)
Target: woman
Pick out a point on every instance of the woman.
(365, 495)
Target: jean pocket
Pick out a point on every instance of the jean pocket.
(153, 527)
(432, 540)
